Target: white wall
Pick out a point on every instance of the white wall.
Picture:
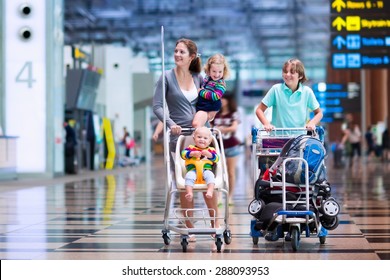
(139, 64)
(115, 90)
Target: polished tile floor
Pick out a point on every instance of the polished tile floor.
(119, 215)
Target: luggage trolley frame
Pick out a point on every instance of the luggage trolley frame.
(174, 220)
(270, 144)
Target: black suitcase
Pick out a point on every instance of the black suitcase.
(338, 160)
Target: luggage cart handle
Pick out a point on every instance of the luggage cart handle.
(192, 129)
(318, 132)
(189, 130)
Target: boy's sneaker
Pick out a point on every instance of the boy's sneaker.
(287, 237)
(271, 236)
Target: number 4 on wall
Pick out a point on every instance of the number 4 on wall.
(25, 75)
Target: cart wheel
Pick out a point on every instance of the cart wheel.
(330, 207)
(218, 242)
(322, 239)
(184, 244)
(167, 238)
(330, 223)
(255, 207)
(227, 237)
(255, 240)
(295, 238)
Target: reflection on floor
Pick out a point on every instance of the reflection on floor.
(119, 215)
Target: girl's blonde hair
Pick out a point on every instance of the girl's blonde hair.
(218, 59)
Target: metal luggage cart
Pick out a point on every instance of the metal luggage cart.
(175, 217)
(270, 144)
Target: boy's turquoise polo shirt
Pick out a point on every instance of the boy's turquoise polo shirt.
(290, 110)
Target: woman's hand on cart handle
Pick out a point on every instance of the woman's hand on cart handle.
(176, 129)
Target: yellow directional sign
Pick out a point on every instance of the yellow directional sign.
(110, 143)
(360, 7)
(360, 23)
(339, 23)
(360, 33)
(338, 5)
(351, 23)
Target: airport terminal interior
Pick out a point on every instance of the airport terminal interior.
(119, 215)
(98, 62)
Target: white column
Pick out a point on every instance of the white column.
(33, 101)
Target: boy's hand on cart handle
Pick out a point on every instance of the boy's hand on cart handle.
(310, 127)
(268, 127)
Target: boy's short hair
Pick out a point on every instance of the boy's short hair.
(297, 66)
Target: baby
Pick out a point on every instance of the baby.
(200, 152)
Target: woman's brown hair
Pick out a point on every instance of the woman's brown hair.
(196, 63)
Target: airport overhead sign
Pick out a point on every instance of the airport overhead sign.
(335, 99)
(357, 42)
(360, 7)
(360, 34)
(360, 60)
(361, 23)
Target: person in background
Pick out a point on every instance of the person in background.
(125, 141)
(348, 120)
(201, 151)
(370, 142)
(157, 131)
(70, 147)
(213, 88)
(385, 145)
(182, 84)
(227, 121)
(353, 136)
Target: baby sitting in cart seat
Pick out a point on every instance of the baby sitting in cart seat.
(199, 161)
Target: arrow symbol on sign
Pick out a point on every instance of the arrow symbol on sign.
(338, 4)
(339, 23)
(339, 41)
